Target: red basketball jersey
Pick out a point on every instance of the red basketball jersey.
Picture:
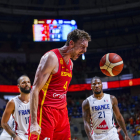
(54, 91)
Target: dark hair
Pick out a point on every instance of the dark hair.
(96, 77)
(77, 34)
(18, 80)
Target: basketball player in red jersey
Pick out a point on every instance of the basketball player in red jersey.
(49, 116)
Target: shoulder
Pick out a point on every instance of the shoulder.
(85, 104)
(113, 99)
(10, 104)
(49, 56)
(49, 59)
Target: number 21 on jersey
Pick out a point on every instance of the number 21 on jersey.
(101, 114)
(66, 85)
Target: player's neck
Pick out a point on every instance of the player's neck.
(25, 98)
(98, 96)
(64, 51)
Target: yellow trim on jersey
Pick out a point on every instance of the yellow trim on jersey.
(45, 88)
(29, 136)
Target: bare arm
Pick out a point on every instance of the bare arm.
(118, 116)
(47, 65)
(10, 107)
(86, 118)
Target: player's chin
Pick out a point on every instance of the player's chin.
(97, 92)
(75, 58)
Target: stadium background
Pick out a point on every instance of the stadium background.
(114, 26)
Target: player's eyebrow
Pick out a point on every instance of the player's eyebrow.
(83, 44)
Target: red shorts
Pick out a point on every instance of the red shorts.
(54, 124)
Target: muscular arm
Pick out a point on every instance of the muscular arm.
(10, 107)
(86, 118)
(47, 65)
(118, 115)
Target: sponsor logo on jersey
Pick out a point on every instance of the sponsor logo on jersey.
(100, 107)
(24, 112)
(102, 125)
(66, 74)
(61, 96)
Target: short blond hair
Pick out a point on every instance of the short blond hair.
(76, 35)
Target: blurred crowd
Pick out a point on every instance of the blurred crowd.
(10, 69)
(3, 103)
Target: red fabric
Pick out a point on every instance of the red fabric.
(138, 120)
(58, 86)
(54, 124)
(120, 136)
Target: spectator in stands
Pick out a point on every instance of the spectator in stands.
(2, 102)
(131, 121)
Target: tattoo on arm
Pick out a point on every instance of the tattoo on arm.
(13, 135)
(9, 130)
(121, 123)
(118, 115)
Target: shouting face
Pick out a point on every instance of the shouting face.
(78, 48)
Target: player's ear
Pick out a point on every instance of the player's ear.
(71, 43)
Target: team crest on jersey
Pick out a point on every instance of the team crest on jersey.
(102, 125)
(61, 61)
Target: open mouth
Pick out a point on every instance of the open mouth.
(78, 55)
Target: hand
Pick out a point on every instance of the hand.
(17, 138)
(35, 129)
(127, 138)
